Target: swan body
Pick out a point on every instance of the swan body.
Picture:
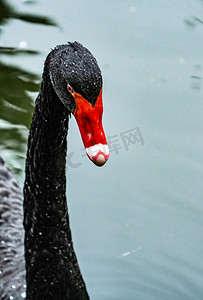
(12, 264)
(71, 83)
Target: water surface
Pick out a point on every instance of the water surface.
(136, 222)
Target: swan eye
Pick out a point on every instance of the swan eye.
(70, 89)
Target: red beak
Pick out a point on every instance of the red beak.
(89, 119)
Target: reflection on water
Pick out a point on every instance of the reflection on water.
(16, 104)
(193, 22)
(16, 107)
(14, 51)
(16, 86)
(8, 12)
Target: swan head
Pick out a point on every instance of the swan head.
(77, 81)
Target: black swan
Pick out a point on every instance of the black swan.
(71, 83)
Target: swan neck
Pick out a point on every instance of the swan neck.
(52, 271)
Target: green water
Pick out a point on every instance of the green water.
(137, 222)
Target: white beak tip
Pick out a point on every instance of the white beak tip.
(98, 153)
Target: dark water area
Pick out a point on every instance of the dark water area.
(16, 106)
(137, 222)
